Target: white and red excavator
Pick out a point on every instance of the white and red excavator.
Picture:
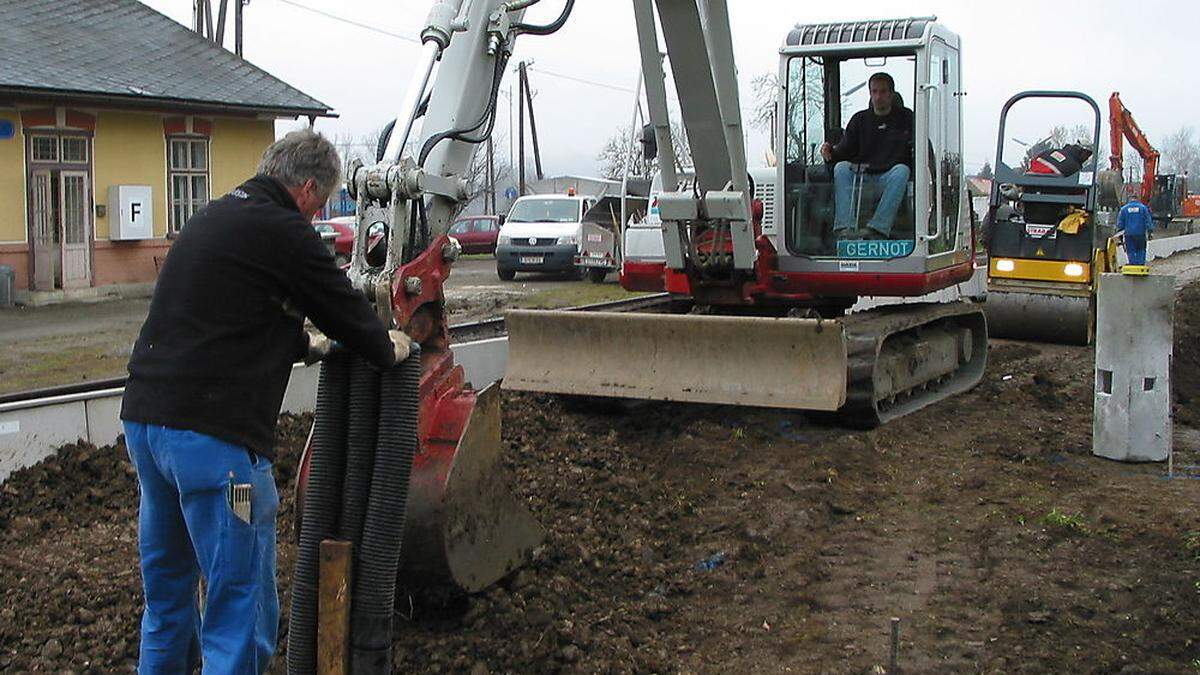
(767, 324)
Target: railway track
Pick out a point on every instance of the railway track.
(459, 333)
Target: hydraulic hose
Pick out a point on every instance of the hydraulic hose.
(321, 506)
(360, 449)
(549, 28)
(488, 118)
(378, 559)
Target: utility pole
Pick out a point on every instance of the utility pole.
(537, 153)
(521, 135)
(489, 199)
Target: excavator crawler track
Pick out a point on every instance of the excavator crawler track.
(900, 359)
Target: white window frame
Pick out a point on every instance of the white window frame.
(189, 201)
(33, 141)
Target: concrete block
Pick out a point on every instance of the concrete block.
(1134, 335)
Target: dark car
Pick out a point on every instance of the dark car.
(477, 234)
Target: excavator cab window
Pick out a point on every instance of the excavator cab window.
(860, 203)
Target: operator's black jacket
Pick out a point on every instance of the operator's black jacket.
(880, 142)
(217, 348)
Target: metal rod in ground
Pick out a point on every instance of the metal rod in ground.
(893, 660)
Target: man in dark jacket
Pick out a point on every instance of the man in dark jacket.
(206, 381)
(876, 148)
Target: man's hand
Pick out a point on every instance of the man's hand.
(401, 343)
(319, 347)
(827, 151)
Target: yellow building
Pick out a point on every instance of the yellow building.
(117, 124)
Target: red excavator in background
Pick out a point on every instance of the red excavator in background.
(1166, 195)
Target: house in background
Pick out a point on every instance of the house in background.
(116, 125)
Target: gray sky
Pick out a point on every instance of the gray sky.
(1141, 49)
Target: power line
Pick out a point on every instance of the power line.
(366, 26)
(581, 80)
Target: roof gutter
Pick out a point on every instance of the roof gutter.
(172, 104)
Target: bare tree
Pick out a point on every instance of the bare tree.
(615, 154)
(1060, 135)
(1181, 152)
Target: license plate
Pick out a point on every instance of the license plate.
(532, 259)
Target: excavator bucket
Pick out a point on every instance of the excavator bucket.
(751, 361)
(465, 528)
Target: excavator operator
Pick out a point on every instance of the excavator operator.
(876, 148)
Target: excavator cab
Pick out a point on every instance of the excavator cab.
(891, 220)
(1045, 234)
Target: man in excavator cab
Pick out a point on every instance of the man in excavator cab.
(877, 147)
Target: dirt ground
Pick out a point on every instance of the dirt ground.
(687, 538)
(68, 343)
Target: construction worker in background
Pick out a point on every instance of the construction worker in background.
(1135, 223)
(876, 148)
(206, 381)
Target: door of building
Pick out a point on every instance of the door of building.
(75, 206)
(44, 231)
(60, 210)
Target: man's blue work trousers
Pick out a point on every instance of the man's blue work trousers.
(1135, 248)
(848, 200)
(187, 529)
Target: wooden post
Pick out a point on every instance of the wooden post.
(333, 608)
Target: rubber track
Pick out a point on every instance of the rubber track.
(865, 334)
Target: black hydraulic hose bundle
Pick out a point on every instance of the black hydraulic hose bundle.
(534, 29)
(363, 445)
(378, 559)
(321, 505)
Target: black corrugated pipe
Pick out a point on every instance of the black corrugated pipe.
(379, 558)
(322, 501)
(360, 449)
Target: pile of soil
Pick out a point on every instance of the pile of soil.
(714, 539)
(1185, 366)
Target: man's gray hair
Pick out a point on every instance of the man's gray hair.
(300, 156)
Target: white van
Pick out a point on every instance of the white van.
(542, 234)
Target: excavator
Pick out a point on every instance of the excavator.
(767, 324)
(1165, 194)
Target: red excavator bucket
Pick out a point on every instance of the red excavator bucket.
(464, 527)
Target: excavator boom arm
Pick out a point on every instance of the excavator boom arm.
(1124, 127)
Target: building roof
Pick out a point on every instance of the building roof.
(122, 50)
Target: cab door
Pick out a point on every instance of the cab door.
(945, 149)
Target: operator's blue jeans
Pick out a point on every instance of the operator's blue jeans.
(894, 181)
(187, 529)
(1135, 248)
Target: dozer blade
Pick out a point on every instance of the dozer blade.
(751, 361)
(1039, 317)
(465, 528)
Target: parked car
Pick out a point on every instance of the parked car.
(477, 234)
(343, 246)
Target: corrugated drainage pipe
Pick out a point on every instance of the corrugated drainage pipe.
(378, 559)
(360, 451)
(322, 502)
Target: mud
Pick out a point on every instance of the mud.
(688, 538)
